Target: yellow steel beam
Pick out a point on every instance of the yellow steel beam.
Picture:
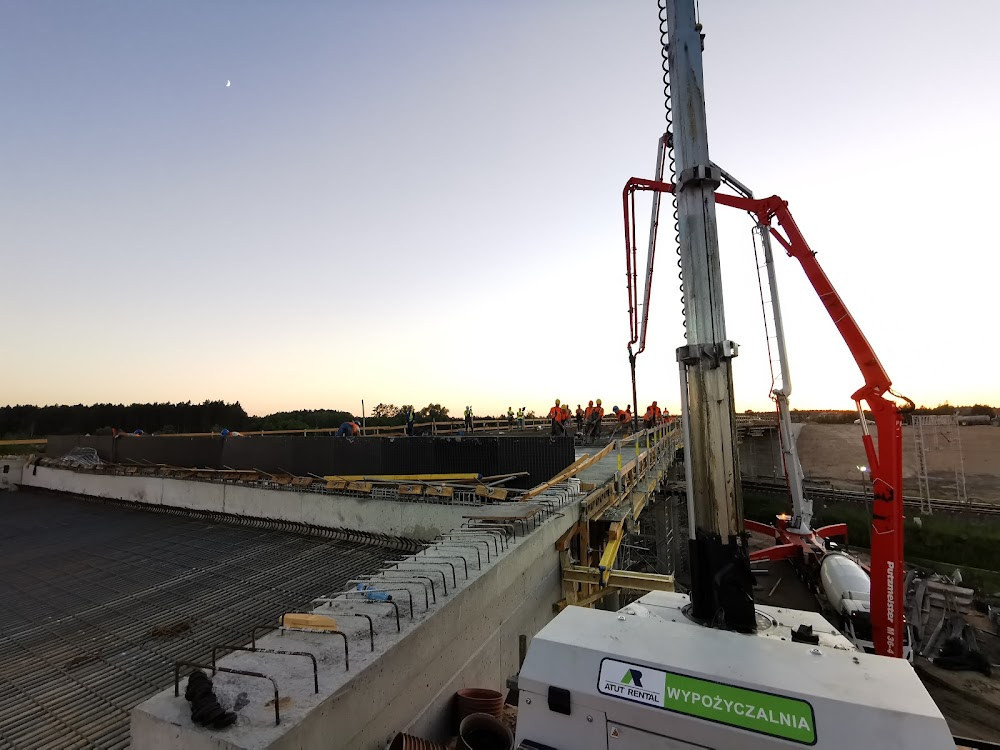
(610, 551)
(39, 441)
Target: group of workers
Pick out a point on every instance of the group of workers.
(588, 421)
(519, 417)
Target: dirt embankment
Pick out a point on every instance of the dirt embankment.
(833, 453)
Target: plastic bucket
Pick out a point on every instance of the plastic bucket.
(479, 701)
(484, 732)
(409, 742)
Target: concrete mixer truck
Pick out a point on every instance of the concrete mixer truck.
(847, 588)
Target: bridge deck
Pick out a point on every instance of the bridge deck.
(100, 600)
(600, 472)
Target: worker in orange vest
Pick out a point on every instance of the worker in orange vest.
(349, 429)
(555, 414)
(652, 416)
(587, 412)
(594, 423)
(567, 419)
(624, 418)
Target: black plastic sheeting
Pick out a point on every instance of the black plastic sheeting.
(542, 457)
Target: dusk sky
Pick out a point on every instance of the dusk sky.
(420, 202)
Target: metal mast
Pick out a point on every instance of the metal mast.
(720, 569)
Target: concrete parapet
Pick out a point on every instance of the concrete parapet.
(468, 639)
(412, 520)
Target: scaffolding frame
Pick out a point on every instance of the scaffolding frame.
(929, 430)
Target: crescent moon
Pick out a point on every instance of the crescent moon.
(228, 82)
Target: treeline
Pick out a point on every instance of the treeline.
(827, 416)
(302, 419)
(385, 415)
(97, 419)
(209, 416)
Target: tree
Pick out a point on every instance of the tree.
(386, 411)
(26, 420)
(434, 413)
(305, 419)
(980, 410)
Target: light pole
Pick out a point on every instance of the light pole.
(864, 483)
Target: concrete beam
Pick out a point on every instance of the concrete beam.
(413, 520)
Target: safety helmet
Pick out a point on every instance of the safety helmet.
(557, 402)
(614, 409)
(224, 433)
(598, 402)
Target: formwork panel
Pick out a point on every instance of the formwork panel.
(541, 456)
(189, 452)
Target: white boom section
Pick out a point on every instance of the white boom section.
(802, 508)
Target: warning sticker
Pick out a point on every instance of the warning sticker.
(766, 713)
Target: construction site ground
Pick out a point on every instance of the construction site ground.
(834, 452)
(969, 701)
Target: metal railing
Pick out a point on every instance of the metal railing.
(450, 427)
(642, 463)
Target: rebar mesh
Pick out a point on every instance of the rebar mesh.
(99, 601)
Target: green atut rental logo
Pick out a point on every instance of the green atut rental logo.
(640, 685)
(633, 677)
(739, 707)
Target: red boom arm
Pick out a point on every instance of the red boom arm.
(885, 459)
